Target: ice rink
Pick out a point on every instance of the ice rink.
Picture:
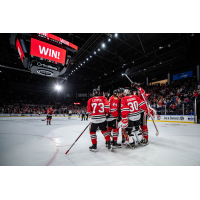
(28, 141)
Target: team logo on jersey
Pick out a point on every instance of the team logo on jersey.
(115, 98)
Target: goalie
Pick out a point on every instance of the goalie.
(131, 105)
(143, 124)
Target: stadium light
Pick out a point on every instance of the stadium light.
(83, 61)
(103, 45)
(76, 68)
(98, 49)
(95, 52)
(122, 74)
(109, 40)
(58, 87)
(90, 56)
(86, 58)
(116, 34)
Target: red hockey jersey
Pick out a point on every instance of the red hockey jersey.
(114, 108)
(131, 107)
(97, 107)
(50, 111)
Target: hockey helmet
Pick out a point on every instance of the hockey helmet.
(115, 92)
(96, 92)
(121, 90)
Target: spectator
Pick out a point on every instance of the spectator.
(173, 106)
(191, 112)
(187, 100)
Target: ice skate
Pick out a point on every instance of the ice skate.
(116, 145)
(144, 142)
(109, 146)
(93, 148)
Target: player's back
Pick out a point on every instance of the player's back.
(98, 106)
(130, 107)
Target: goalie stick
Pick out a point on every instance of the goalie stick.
(77, 138)
(146, 102)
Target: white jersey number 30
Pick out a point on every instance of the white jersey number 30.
(133, 105)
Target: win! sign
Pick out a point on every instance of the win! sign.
(47, 51)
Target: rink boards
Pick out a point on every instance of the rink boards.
(174, 118)
(157, 118)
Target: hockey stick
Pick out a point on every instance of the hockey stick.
(43, 119)
(77, 138)
(157, 132)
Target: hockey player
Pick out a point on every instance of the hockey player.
(50, 112)
(112, 119)
(143, 124)
(131, 105)
(98, 107)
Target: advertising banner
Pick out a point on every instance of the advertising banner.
(183, 75)
(82, 95)
(178, 118)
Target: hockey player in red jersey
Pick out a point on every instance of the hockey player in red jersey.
(131, 105)
(50, 112)
(143, 125)
(98, 107)
(112, 119)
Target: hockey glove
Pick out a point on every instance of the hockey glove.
(107, 116)
(152, 112)
(124, 122)
(135, 85)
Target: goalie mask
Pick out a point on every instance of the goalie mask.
(127, 92)
(96, 92)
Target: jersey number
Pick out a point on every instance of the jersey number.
(94, 105)
(133, 105)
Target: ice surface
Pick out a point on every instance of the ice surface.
(28, 141)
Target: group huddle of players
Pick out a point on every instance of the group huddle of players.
(127, 106)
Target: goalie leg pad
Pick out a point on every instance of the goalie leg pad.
(122, 132)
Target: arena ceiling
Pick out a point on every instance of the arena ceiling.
(143, 53)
